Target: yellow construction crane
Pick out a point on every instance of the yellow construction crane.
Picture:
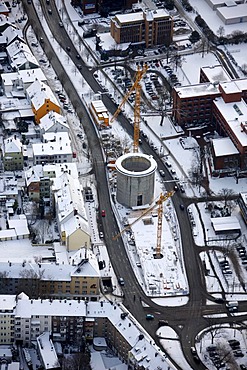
(159, 204)
(137, 87)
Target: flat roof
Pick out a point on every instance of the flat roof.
(139, 16)
(244, 197)
(225, 223)
(234, 113)
(231, 12)
(202, 89)
(230, 87)
(216, 73)
(224, 146)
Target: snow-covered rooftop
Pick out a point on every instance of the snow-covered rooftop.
(12, 145)
(222, 224)
(233, 11)
(139, 16)
(230, 87)
(39, 92)
(47, 351)
(224, 146)
(53, 120)
(234, 113)
(216, 73)
(197, 90)
(7, 302)
(54, 144)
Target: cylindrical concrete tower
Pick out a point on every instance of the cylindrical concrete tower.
(135, 179)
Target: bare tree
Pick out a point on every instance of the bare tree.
(227, 195)
(162, 104)
(244, 68)
(214, 328)
(221, 31)
(77, 361)
(3, 281)
(29, 281)
(196, 170)
(126, 144)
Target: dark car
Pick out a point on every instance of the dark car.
(163, 323)
(181, 207)
(68, 48)
(243, 367)
(219, 300)
(196, 359)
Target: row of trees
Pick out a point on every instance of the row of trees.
(235, 37)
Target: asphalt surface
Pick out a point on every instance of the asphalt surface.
(186, 320)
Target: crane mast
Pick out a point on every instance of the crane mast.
(137, 87)
(159, 203)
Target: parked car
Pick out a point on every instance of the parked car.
(121, 281)
(193, 350)
(196, 359)
(219, 300)
(162, 323)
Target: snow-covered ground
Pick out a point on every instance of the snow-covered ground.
(173, 279)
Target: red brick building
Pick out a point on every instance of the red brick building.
(219, 103)
(148, 27)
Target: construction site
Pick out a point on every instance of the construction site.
(149, 225)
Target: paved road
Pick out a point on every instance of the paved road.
(187, 320)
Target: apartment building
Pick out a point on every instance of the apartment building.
(42, 100)
(104, 7)
(13, 154)
(55, 148)
(68, 321)
(242, 201)
(7, 318)
(55, 275)
(147, 28)
(192, 105)
(221, 104)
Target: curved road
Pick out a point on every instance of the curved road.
(188, 319)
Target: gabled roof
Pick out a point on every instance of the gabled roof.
(12, 145)
(23, 77)
(23, 58)
(69, 194)
(53, 119)
(4, 8)
(70, 204)
(38, 92)
(11, 33)
(32, 175)
(16, 47)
